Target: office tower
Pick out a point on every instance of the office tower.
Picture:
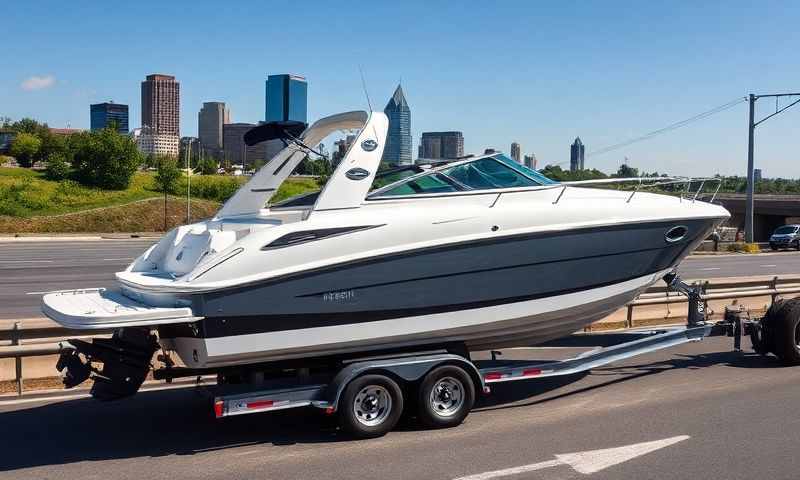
(160, 134)
(210, 121)
(398, 140)
(576, 152)
(286, 98)
(442, 145)
(235, 152)
(103, 115)
(516, 152)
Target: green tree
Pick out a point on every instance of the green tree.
(167, 174)
(57, 167)
(208, 166)
(25, 147)
(52, 144)
(626, 171)
(105, 159)
(29, 125)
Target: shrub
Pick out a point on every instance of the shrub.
(25, 147)
(167, 175)
(57, 167)
(105, 159)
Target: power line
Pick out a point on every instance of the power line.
(673, 126)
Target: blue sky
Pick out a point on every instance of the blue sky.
(539, 73)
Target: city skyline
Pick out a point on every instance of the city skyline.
(638, 80)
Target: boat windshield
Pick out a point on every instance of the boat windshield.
(484, 173)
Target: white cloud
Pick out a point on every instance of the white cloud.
(37, 83)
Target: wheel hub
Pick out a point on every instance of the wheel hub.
(447, 397)
(372, 405)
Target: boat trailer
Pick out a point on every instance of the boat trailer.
(368, 393)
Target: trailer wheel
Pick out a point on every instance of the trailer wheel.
(445, 397)
(370, 406)
(785, 326)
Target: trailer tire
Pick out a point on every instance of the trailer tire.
(370, 406)
(445, 397)
(784, 326)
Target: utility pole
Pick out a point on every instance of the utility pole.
(748, 216)
(189, 183)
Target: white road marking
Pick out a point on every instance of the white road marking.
(116, 259)
(707, 269)
(767, 266)
(38, 293)
(588, 462)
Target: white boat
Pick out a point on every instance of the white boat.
(466, 254)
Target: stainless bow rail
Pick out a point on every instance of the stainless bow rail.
(651, 182)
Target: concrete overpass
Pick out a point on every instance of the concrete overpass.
(771, 211)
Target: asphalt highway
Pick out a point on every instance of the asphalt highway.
(29, 268)
(696, 411)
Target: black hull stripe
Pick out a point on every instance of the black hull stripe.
(447, 247)
(495, 269)
(216, 327)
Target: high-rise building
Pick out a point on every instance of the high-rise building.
(150, 143)
(516, 152)
(530, 161)
(161, 104)
(397, 150)
(210, 120)
(102, 115)
(576, 152)
(235, 152)
(160, 115)
(340, 149)
(489, 151)
(286, 98)
(442, 145)
(756, 174)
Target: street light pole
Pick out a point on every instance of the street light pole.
(748, 216)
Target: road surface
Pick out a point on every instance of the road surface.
(27, 268)
(712, 413)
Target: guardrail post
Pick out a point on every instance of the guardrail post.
(773, 285)
(629, 319)
(17, 360)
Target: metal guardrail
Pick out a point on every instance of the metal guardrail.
(47, 339)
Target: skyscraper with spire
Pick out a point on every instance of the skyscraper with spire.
(576, 152)
(398, 140)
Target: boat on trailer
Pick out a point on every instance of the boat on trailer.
(464, 254)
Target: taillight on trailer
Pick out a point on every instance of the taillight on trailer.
(218, 406)
(260, 404)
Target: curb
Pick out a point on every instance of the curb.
(82, 238)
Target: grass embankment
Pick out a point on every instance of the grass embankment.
(31, 204)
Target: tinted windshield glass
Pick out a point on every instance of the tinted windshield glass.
(488, 173)
(427, 184)
(785, 230)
